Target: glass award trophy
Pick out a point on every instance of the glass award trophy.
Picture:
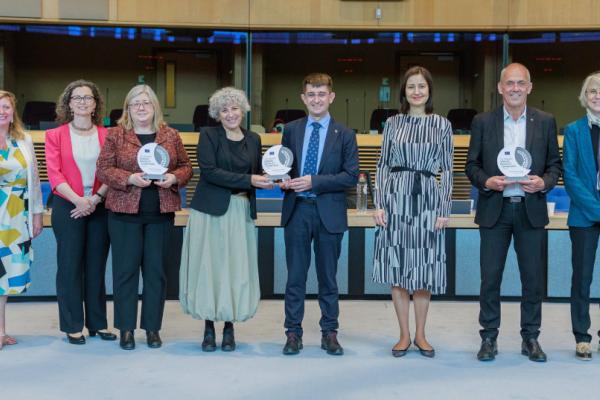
(277, 162)
(153, 159)
(514, 163)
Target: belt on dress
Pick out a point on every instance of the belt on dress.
(417, 186)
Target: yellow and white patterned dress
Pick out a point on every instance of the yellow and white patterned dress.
(16, 254)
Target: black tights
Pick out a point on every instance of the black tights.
(210, 325)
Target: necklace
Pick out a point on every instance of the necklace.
(79, 128)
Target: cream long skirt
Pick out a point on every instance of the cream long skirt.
(218, 276)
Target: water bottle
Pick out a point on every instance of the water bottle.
(361, 193)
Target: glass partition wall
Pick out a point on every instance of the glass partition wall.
(183, 66)
(367, 67)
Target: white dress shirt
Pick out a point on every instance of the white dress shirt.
(514, 136)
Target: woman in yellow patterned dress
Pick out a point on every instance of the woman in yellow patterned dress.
(20, 206)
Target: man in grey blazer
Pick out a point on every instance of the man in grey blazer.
(508, 210)
(314, 209)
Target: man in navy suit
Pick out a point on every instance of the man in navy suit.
(314, 209)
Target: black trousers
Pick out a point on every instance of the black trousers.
(529, 246)
(135, 246)
(305, 227)
(82, 249)
(584, 242)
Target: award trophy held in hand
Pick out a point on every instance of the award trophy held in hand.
(153, 159)
(514, 163)
(277, 162)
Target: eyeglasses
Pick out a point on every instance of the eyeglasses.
(83, 99)
(138, 105)
(592, 92)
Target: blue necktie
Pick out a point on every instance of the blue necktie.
(312, 154)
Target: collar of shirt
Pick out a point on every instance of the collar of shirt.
(507, 115)
(323, 121)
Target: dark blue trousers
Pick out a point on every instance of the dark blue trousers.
(584, 242)
(305, 227)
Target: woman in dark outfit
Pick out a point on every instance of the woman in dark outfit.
(218, 277)
(141, 212)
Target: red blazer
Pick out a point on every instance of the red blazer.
(60, 162)
(118, 160)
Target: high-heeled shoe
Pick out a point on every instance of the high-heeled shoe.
(424, 352)
(401, 352)
(76, 339)
(103, 335)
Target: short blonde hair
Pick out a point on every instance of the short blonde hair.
(157, 122)
(594, 77)
(15, 129)
(227, 96)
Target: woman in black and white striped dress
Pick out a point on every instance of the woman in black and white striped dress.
(412, 207)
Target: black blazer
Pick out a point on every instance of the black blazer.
(487, 139)
(337, 171)
(216, 179)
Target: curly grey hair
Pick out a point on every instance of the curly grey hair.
(224, 97)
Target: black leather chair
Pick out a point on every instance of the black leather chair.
(379, 116)
(115, 115)
(201, 118)
(461, 119)
(36, 111)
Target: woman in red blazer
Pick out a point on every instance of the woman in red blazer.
(141, 213)
(78, 215)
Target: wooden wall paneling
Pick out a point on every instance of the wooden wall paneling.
(21, 8)
(208, 13)
(554, 14)
(446, 14)
(312, 14)
(83, 9)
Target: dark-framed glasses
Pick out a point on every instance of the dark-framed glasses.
(83, 99)
(139, 104)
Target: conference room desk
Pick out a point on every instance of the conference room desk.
(354, 272)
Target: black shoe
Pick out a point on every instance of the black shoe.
(330, 343)
(103, 335)
(293, 345)
(127, 341)
(401, 352)
(76, 339)
(424, 352)
(532, 349)
(488, 350)
(153, 339)
(228, 343)
(209, 344)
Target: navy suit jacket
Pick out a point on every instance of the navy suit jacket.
(580, 175)
(337, 171)
(487, 139)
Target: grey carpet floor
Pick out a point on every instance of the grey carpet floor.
(44, 366)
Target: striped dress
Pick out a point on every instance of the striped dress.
(409, 251)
